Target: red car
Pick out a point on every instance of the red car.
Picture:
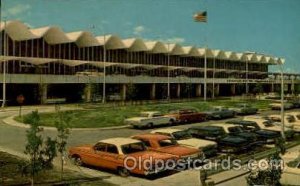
(187, 115)
(168, 145)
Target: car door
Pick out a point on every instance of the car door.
(112, 159)
(159, 119)
(95, 158)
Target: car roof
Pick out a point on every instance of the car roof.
(167, 130)
(241, 122)
(152, 136)
(150, 112)
(119, 141)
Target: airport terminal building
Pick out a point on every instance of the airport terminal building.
(46, 63)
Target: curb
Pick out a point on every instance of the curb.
(10, 121)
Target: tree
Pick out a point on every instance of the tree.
(258, 89)
(62, 124)
(272, 174)
(41, 152)
(131, 91)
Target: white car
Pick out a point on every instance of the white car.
(277, 106)
(289, 121)
(266, 124)
(291, 172)
(150, 119)
(182, 137)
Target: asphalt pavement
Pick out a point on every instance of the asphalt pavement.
(13, 139)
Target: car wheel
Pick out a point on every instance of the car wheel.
(171, 122)
(77, 160)
(150, 125)
(123, 172)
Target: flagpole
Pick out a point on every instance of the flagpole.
(202, 17)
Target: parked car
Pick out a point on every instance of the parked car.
(266, 136)
(277, 105)
(220, 112)
(234, 130)
(267, 124)
(226, 143)
(150, 119)
(165, 144)
(295, 115)
(244, 109)
(289, 121)
(187, 115)
(182, 137)
(291, 172)
(112, 153)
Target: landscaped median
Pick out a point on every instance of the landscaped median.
(102, 116)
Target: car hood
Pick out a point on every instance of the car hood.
(196, 143)
(247, 135)
(268, 133)
(178, 150)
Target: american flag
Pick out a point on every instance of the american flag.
(200, 17)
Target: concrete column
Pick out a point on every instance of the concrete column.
(232, 88)
(88, 92)
(43, 89)
(123, 92)
(217, 89)
(293, 87)
(198, 90)
(153, 91)
(272, 87)
(178, 91)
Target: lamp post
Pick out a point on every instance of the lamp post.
(4, 68)
(280, 63)
(205, 73)
(168, 93)
(104, 70)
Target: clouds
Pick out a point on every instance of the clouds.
(138, 30)
(16, 11)
(175, 40)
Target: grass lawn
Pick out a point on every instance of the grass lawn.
(11, 175)
(114, 116)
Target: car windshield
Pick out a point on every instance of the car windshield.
(144, 115)
(133, 148)
(291, 119)
(268, 123)
(235, 129)
(294, 163)
(167, 142)
(181, 135)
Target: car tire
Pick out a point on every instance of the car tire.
(77, 160)
(123, 172)
(149, 125)
(171, 122)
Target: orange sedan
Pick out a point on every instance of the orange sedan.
(124, 155)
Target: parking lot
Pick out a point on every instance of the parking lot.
(15, 144)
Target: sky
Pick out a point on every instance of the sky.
(264, 26)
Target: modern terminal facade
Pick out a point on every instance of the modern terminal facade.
(45, 64)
